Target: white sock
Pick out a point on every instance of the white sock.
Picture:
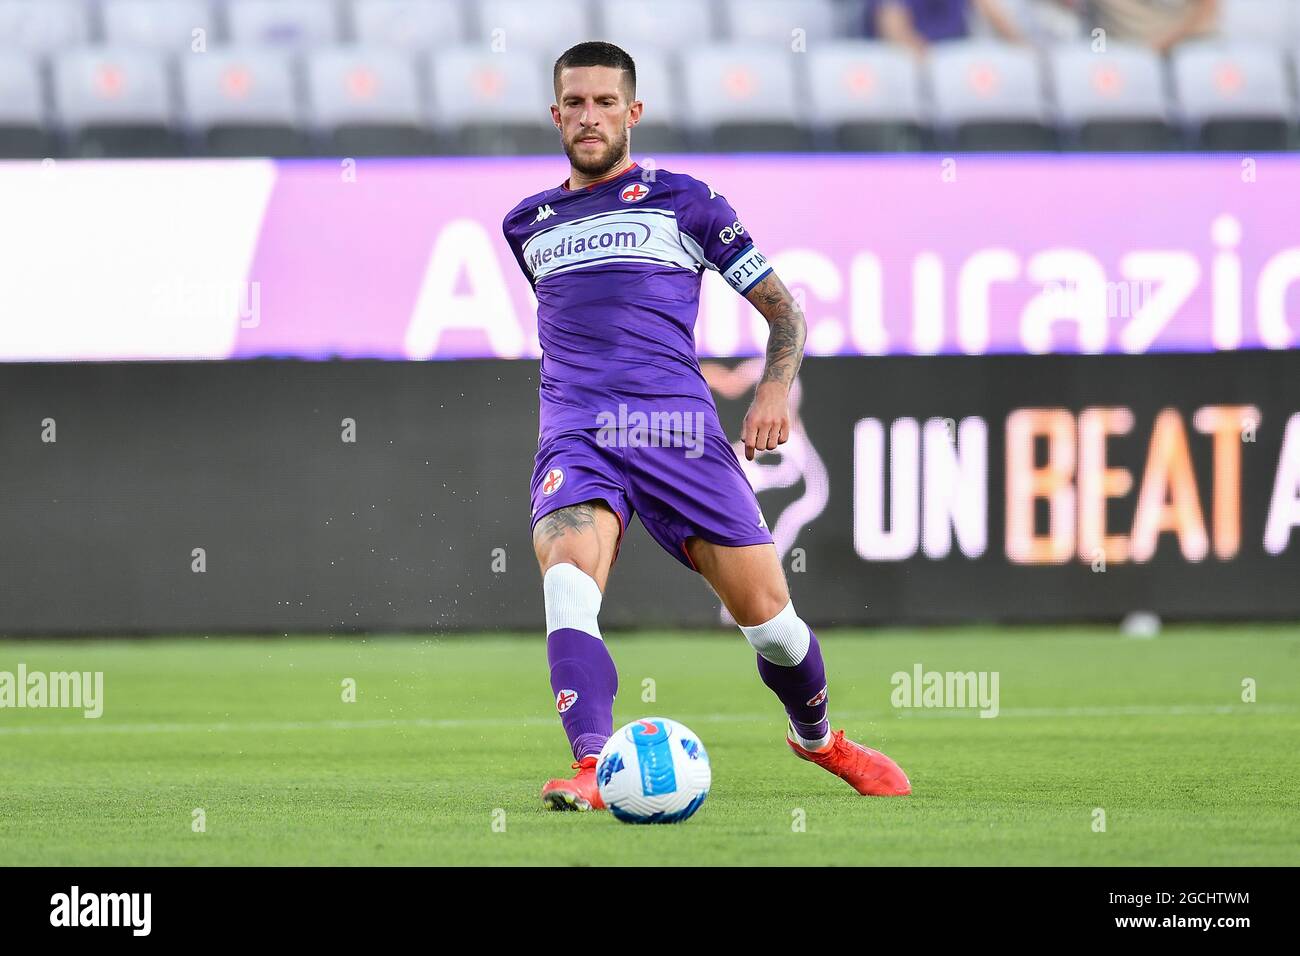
(783, 640)
(572, 599)
(807, 744)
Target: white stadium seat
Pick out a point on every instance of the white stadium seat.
(745, 96)
(547, 26)
(23, 129)
(642, 25)
(20, 89)
(1044, 22)
(413, 25)
(354, 84)
(867, 93)
(989, 95)
(166, 25)
(243, 101)
(43, 26)
(657, 87)
(775, 21)
(486, 102)
(115, 100)
(284, 23)
(1235, 94)
(366, 100)
(1274, 23)
(1113, 100)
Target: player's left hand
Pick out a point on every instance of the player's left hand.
(767, 423)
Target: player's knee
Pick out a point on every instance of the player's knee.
(783, 639)
(572, 599)
(760, 603)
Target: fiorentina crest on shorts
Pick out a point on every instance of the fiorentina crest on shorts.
(565, 699)
(551, 483)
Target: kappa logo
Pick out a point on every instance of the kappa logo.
(634, 192)
(543, 213)
(819, 699)
(551, 483)
(565, 699)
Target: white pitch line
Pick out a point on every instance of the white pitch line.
(1135, 710)
(427, 723)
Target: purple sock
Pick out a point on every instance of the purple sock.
(584, 680)
(802, 688)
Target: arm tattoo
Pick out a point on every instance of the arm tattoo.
(580, 518)
(787, 330)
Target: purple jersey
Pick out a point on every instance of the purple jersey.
(617, 267)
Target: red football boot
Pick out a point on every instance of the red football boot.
(867, 771)
(578, 793)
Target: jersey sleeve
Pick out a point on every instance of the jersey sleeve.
(516, 248)
(712, 233)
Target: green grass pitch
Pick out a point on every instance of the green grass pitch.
(440, 758)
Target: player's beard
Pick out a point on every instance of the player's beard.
(599, 163)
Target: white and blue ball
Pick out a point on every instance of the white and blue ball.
(653, 771)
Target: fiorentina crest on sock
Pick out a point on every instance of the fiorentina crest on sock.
(565, 699)
(653, 770)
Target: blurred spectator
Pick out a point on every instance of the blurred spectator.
(1159, 24)
(918, 23)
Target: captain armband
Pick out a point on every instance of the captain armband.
(745, 270)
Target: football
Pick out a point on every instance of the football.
(653, 770)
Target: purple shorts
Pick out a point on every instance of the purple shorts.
(677, 496)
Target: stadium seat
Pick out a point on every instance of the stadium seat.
(149, 24)
(774, 21)
(285, 23)
(485, 103)
(660, 129)
(412, 25)
(1043, 22)
(665, 25)
(115, 102)
(743, 97)
(989, 96)
(43, 26)
(1112, 101)
(1234, 95)
(1274, 23)
(548, 27)
(867, 94)
(242, 102)
(23, 130)
(367, 102)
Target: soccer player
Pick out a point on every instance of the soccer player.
(615, 255)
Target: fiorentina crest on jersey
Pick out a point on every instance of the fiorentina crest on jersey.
(551, 483)
(634, 192)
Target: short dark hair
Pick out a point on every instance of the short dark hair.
(598, 53)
